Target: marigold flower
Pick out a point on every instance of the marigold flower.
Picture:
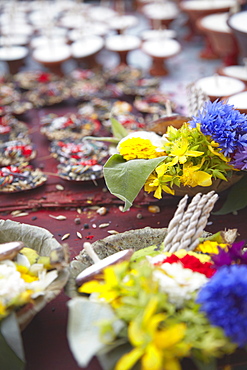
(138, 148)
(141, 145)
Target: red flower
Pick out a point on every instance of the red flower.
(192, 263)
(44, 77)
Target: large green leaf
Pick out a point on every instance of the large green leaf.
(117, 128)
(125, 179)
(236, 199)
(83, 330)
(11, 349)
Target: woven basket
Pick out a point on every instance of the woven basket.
(43, 242)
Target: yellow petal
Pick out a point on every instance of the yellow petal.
(194, 153)
(3, 310)
(150, 310)
(168, 190)
(161, 170)
(154, 323)
(91, 287)
(182, 159)
(158, 193)
(152, 359)
(169, 337)
(219, 154)
(110, 276)
(128, 360)
(203, 178)
(136, 335)
(172, 364)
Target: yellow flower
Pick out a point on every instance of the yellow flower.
(156, 346)
(192, 177)
(25, 275)
(210, 247)
(138, 148)
(3, 311)
(180, 150)
(110, 288)
(157, 184)
(215, 152)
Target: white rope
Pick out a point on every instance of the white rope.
(186, 227)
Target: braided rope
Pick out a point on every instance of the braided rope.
(196, 99)
(186, 227)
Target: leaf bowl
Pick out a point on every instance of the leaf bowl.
(43, 242)
(135, 239)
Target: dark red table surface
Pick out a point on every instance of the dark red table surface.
(45, 340)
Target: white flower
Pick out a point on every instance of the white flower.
(178, 282)
(45, 279)
(11, 283)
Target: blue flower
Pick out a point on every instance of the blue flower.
(224, 300)
(240, 160)
(224, 124)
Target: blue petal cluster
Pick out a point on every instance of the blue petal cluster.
(240, 160)
(224, 300)
(226, 125)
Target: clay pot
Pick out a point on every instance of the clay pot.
(238, 24)
(122, 44)
(86, 49)
(162, 14)
(160, 50)
(239, 101)
(220, 37)
(160, 125)
(196, 9)
(235, 71)
(14, 56)
(216, 87)
(53, 58)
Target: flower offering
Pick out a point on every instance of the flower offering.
(210, 147)
(182, 297)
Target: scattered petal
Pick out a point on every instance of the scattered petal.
(59, 218)
(65, 236)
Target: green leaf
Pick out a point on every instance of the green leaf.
(118, 130)
(210, 365)
(236, 199)
(109, 359)
(113, 140)
(11, 349)
(151, 251)
(83, 331)
(125, 179)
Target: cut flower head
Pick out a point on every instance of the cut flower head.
(211, 146)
